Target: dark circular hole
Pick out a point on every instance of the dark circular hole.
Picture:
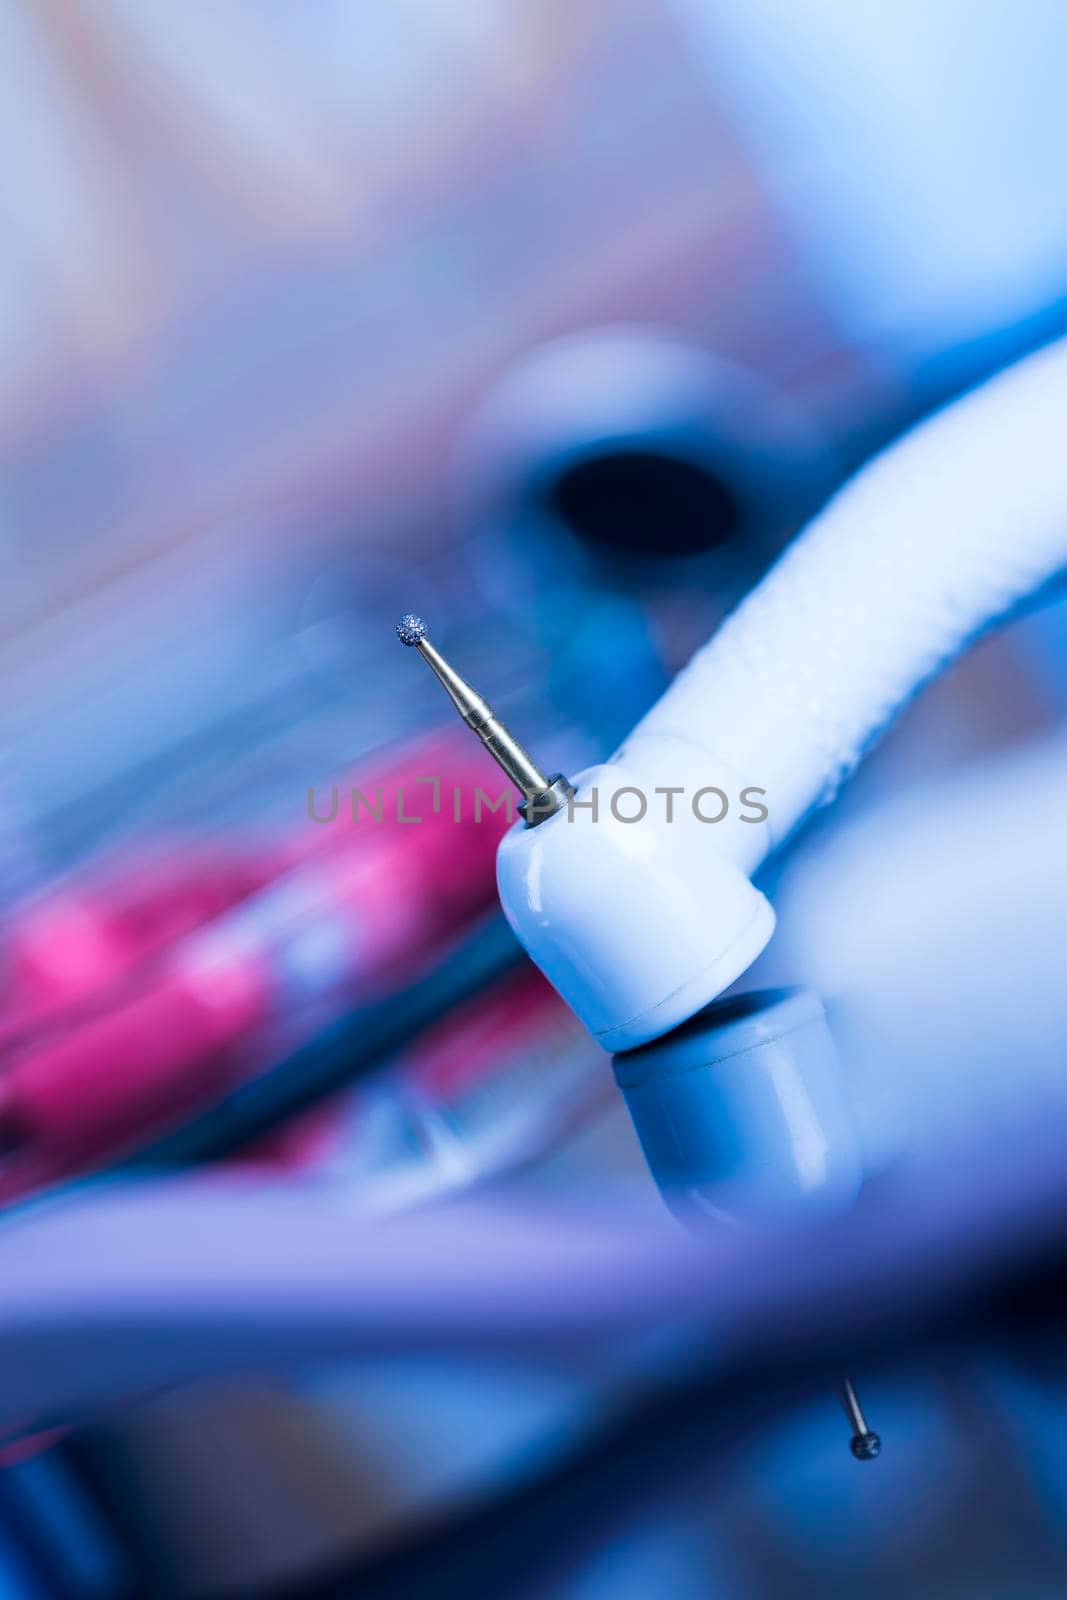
(645, 503)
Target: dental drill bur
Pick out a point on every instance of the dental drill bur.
(542, 796)
(865, 1444)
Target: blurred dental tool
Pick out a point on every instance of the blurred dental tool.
(367, 904)
(907, 565)
(543, 797)
(498, 1081)
(865, 1444)
(641, 448)
(76, 939)
(340, 1054)
(69, 1099)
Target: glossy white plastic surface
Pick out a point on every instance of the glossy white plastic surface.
(743, 1112)
(637, 923)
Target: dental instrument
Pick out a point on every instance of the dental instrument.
(170, 1039)
(694, 1120)
(543, 796)
(865, 1444)
(944, 534)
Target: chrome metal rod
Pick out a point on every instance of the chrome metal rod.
(479, 715)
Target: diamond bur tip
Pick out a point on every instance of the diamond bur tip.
(410, 629)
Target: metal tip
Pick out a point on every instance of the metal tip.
(866, 1446)
(410, 629)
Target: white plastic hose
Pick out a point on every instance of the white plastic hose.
(934, 541)
(638, 925)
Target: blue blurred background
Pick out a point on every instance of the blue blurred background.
(553, 322)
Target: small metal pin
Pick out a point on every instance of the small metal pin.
(865, 1444)
(542, 796)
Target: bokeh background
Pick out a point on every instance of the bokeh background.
(552, 322)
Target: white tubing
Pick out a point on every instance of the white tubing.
(940, 537)
(638, 926)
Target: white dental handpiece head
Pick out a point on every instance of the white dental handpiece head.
(632, 911)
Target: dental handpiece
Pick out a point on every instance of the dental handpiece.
(544, 797)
